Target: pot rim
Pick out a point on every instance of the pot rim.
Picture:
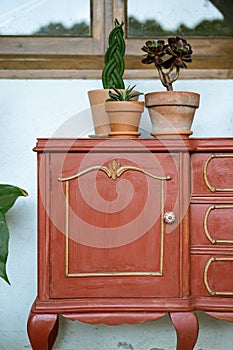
(175, 92)
(113, 105)
(164, 98)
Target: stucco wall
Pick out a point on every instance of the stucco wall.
(44, 108)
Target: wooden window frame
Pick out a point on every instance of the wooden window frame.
(82, 57)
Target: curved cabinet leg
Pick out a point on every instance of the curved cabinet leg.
(186, 326)
(42, 330)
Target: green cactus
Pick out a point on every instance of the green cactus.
(114, 59)
(123, 95)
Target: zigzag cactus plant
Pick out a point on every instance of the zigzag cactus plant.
(114, 59)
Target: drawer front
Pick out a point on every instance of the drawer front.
(212, 224)
(212, 275)
(108, 236)
(212, 174)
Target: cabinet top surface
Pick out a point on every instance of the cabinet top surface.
(133, 145)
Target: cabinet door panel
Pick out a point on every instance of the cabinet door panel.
(108, 236)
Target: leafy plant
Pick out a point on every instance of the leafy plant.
(123, 95)
(168, 58)
(114, 59)
(8, 196)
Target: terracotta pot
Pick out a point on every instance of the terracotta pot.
(124, 117)
(100, 119)
(172, 112)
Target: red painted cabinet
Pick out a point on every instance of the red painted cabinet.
(120, 241)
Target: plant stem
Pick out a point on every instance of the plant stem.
(167, 78)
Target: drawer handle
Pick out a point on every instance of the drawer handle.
(169, 217)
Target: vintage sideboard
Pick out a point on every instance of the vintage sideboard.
(132, 229)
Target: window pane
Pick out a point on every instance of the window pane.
(150, 18)
(45, 17)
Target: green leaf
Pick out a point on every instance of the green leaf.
(130, 88)
(4, 239)
(8, 196)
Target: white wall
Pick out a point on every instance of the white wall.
(44, 108)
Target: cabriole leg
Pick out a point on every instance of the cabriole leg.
(42, 330)
(186, 326)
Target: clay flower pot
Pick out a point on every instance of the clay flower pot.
(100, 119)
(124, 118)
(172, 112)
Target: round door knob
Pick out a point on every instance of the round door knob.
(169, 217)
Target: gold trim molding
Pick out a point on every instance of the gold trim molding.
(210, 187)
(114, 171)
(206, 282)
(207, 233)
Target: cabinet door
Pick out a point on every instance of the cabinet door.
(108, 237)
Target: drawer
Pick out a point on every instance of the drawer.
(212, 275)
(212, 224)
(212, 174)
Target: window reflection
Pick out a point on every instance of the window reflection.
(45, 17)
(149, 18)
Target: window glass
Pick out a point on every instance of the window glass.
(178, 17)
(45, 17)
